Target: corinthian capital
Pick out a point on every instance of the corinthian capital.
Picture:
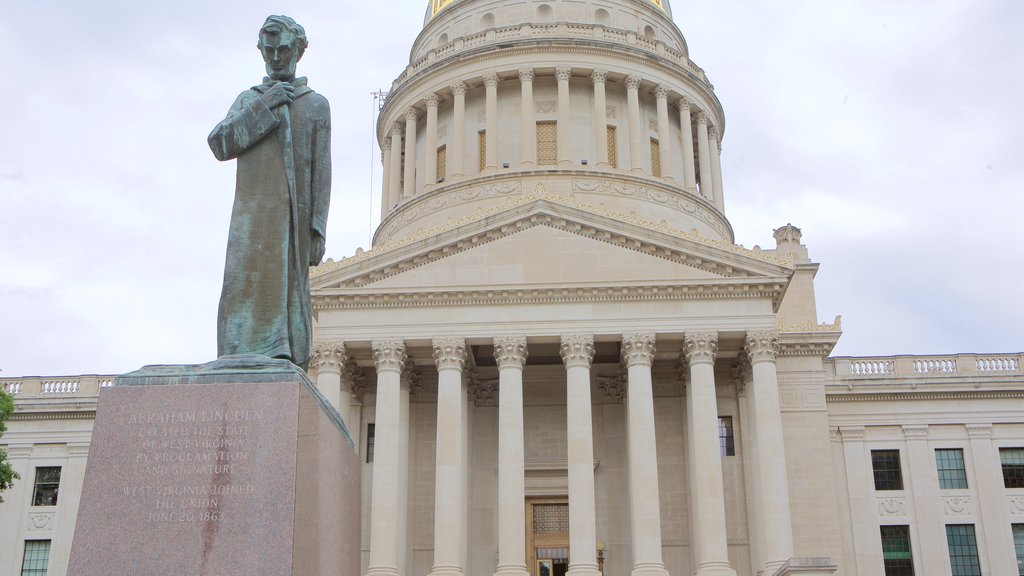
(661, 91)
(684, 103)
(431, 100)
(638, 348)
(762, 345)
(491, 79)
(410, 115)
(599, 76)
(700, 347)
(577, 350)
(633, 82)
(459, 88)
(510, 351)
(702, 118)
(329, 357)
(396, 130)
(562, 73)
(713, 133)
(526, 75)
(388, 354)
(449, 353)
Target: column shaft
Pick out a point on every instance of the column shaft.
(491, 135)
(924, 490)
(449, 356)
(409, 189)
(577, 353)
(528, 123)
(456, 158)
(707, 186)
(708, 492)
(430, 175)
(636, 140)
(645, 504)
(385, 187)
(389, 357)
(395, 175)
(664, 134)
(714, 145)
(600, 117)
(686, 128)
(994, 529)
(510, 354)
(564, 125)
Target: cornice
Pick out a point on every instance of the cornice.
(52, 415)
(921, 395)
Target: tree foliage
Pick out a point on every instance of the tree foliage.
(7, 473)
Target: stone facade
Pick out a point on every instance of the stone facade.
(555, 353)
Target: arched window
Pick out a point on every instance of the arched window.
(601, 16)
(545, 13)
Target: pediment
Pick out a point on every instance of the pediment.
(548, 245)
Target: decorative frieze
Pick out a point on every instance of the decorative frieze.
(678, 200)
(613, 388)
(546, 106)
(638, 349)
(388, 354)
(577, 350)
(761, 345)
(957, 505)
(449, 353)
(700, 347)
(890, 506)
(40, 522)
(510, 351)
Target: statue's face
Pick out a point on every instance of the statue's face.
(280, 55)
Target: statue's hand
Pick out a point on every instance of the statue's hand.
(279, 94)
(317, 247)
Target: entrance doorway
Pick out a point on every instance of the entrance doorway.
(547, 536)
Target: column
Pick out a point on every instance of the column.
(456, 157)
(924, 492)
(577, 352)
(385, 187)
(994, 530)
(645, 506)
(17, 498)
(707, 494)
(430, 153)
(491, 135)
(686, 128)
(409, 189)
(867, 543)
(564, 126)
(449, 357)
(395, 174)
(528, 123)
(409, 380)
(600, 78)
(636, 141)
(72, 477)
(707, 187)
(389, 358)
(715, 145)
(510, 353)
(664, 135)
(329, 360)
(763, 405)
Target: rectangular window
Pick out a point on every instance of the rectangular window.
(896, 553)
(1013, 467)
(370, 429)
(481, 137)
(47, 484)
(726, 441)
(613, 148)
(1018, 545)
(886, 464)
(950, 463)
(442, 163)
(963, 550)
(655, 158)
(547, 143)
(37, 558)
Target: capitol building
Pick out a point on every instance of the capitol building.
(556, 361)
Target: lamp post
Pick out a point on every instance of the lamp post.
(600, 556)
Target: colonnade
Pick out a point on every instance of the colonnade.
(770, 530)
(399, 183)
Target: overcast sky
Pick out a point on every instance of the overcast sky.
(890, 132)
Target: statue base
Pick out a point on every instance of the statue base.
(237, 467)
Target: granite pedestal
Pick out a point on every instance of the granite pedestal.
(197, 471)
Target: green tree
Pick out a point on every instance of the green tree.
(7, 474)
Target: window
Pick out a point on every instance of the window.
(896, 554)
(726, 441)
(1013, 467)
(950, 463)
(613, 148)
(655, 158)
(47, 483)
(547, 143)
(37, 557)
(370, 430)
(1018, 544)
(963, 550)
(886, 464)
(481, 137)
(442, 163)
